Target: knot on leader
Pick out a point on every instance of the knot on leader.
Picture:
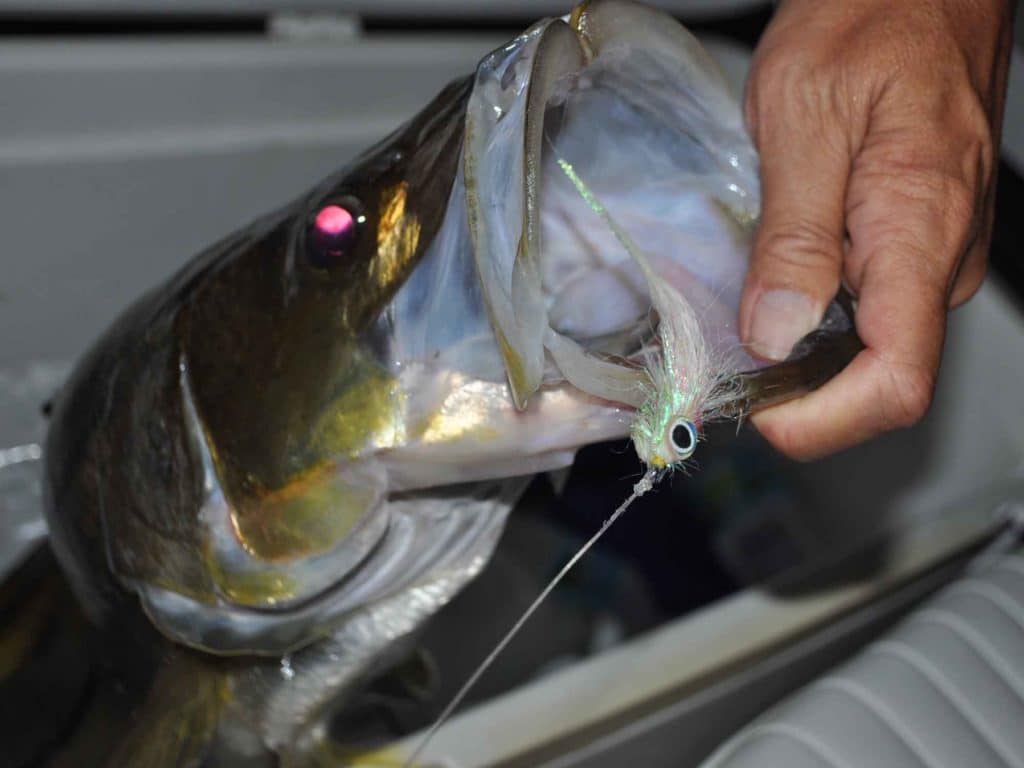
(643, 485)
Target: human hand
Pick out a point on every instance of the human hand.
(877, 123)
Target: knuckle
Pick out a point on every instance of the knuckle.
(798, 247)
(786, 81)
(970, 278)
(906, 394)
(915, 175)
(805, 92)
(923, 208)
(778, 70)
(959, 197)
(979, 150)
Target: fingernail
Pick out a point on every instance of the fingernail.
(780, 319)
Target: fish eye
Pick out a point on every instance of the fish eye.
(333, 231)
(684, 438)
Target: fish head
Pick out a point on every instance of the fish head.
(210, 447)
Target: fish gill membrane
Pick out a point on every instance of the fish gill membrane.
(308, 441)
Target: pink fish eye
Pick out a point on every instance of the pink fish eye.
(333, 220)
(332, 234)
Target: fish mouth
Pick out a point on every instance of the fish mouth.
(630, 101)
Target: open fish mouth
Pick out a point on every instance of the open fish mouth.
(634, 105)
(639, 110)
(619, 100)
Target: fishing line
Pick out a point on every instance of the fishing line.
(643, 485)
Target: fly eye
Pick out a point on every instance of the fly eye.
(333, 232)
(684, 438)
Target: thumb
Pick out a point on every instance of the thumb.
(798, 253)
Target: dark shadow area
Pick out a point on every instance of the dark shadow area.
(1008, 231)
(46, 676)
(655, 564)
(745, 27)
(140, 24)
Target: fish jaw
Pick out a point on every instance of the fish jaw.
(472, 430)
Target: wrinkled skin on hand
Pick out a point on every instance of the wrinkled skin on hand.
(877, 123)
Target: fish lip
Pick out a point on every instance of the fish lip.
(502, 441)
(513, 88)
